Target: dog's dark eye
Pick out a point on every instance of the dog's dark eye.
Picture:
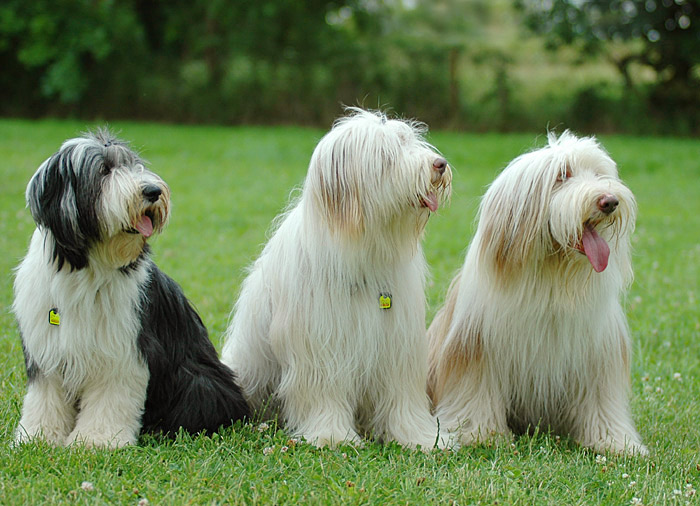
(105, 170)
(563, 176)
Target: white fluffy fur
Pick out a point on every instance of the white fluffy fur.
(529, 334)
(307, 335)
(92, 384)
(91, 355)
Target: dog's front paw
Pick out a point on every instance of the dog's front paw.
(448, 440)
(96, 439)
(627, 447)
(637, 449)
(334, 440)
(27, 434)
(478, 435)
(444, 441)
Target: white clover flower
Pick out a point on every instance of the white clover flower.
(263, 427)
(268, 450)
(284, 449)
(636, 501)
(632, 484)
(600, 459)
(87, 486)
(677, 376)
(143, 502)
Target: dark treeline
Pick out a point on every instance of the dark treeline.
(290, 61)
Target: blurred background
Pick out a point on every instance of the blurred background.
(630, 66)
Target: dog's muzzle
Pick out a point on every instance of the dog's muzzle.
(607, 203)
(152, 192)
(440, 165)
(431, 199)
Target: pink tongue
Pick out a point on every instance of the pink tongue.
(145, 226)
(431, 201)
(595, 248)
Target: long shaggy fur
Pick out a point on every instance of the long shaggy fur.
(308, 336)
(129, 353)
(530, 334)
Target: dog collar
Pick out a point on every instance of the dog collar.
(54, 317)
(384, 300)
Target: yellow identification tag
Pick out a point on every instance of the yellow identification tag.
(385, 301)
(54, 317)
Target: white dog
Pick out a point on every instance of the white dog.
(330, 324)
(112, 346)
(532, 331)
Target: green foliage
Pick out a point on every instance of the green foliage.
(72, 42)
(666, 36)
(464, 65)
(227, 186)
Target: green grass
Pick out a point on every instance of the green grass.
(227, 185)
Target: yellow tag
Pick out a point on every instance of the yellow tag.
(384, 300)
(54, 317)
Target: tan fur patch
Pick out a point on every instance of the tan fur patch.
(343, 209)
(120, 250)
(451, 363)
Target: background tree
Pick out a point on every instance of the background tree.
(55, 52)
(451, 63)
(663, 35)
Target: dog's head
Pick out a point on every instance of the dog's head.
(562, 202)
(369, 172)
(97, 199)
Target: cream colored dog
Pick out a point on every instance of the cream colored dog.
(532, 331)
(329, 328)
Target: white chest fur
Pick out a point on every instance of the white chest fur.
(99, 318)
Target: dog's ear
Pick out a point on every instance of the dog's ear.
(513, 214)
(52, 200)
(336, 190)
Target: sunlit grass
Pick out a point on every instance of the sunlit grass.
(227, 185)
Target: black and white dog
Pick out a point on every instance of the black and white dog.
(112, 347)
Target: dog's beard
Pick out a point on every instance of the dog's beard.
(124, 247)
(119, 250)
(128, 222)
(581, 231)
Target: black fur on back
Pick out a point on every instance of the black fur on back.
(189, 387)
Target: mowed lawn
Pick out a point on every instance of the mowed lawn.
(227, 185)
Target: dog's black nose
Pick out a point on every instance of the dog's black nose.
(151, 192)
(608, 203)
(440, 164)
